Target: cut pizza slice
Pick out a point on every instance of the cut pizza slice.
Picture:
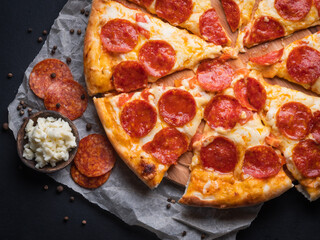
(238, 12)
(232, 165)
(151, 129)
(278, 18)
(294, 118)
(299, 62)
(125, 48)
(197, 16)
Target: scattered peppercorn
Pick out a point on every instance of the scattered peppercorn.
(88, 126)
(58, 105)
(40, 39)
(87, 13)
(21, 113)
(10, 75)
(53, 52)
(169, 200)
(53, 75)
(168, 206)
(5, 126)
(29, 110)
(44, 32)
(22, 102)
(24, 106)
(29, 30)
(72, 31)
(82, 11)
(83, 96)
(54, 47)
(79, 31)
(72, 199)
(45, 187)
(184, 233)
(84, 222)
(59, 188)
(173, 201)
(66, 218)
(19, 107)
(68, 60)
(203, 236)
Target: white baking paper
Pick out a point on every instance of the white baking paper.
(124, 194)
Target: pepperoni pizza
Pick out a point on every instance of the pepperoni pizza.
(299, 62)
(125, 48)
(278, 18)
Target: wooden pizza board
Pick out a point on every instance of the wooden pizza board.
(179, 173)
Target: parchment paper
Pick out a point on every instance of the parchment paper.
(124, 194)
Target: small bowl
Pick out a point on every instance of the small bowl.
(21, 141)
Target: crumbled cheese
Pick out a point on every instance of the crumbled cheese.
(49, 141)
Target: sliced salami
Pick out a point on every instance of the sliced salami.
(221, 155)
(256, 93)
(157, 57)
(294, 120)
(167, 145)
(261, 162)
(268, 59)
(316, 126)
(306, 157)
(123, 98)
(264, 29)
(88, 182)
(129, 76)
(293, 10)
(211, 29)
(222, 111)
(232, 12)
(174, 11)
(95, 156)
(177, 107)
(47, 72)
(317, 4)
(303, 64)
(138, 118)
(119, 36)
(66, 97)
(214, 75)
(141, 18)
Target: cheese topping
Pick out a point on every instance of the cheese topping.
(49, 141)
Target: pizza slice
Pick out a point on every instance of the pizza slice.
(238, 12)
(151, 129)
(294, 118)
(298, 62)
(278, 18)
(125, 48)
(232, 164)
(197, 16)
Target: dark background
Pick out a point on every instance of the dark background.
(29, 212)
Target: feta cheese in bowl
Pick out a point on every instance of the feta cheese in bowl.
(47, 141)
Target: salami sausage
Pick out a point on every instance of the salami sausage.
(316, 126)
(177, 107)
(232, 12)
(268, 59)
(293, 10)
(47, 72)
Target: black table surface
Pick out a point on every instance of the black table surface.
(27, 211)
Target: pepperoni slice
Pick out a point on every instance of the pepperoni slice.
(177, 107)
(256, 93)
(248, 114)
(293, 10)
(123, 98)
(261, 162)
(316, 126)
(317, 4)
(268, 59)
(211, 29)
(221, 155)
(129, 76)
(95, 156)
(47, 72)
(222, 111)
(157, 57)
(294, 120)
(66, 97)
(214, 76)
(174, 11)
(138, 118)
(167, 145)
(88, 182)
(119, 35)
(232, 11)
(264, 29)
(303, 64)
(306, 157)
(140, 17)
